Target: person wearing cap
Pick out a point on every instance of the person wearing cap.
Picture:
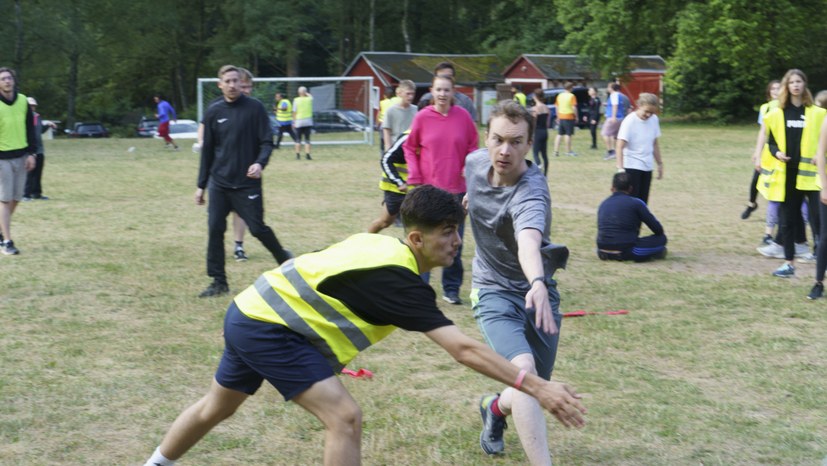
(16, 153)
(34, 189)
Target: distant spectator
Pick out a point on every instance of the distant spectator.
(303, 121)
(389, 101)
(284, 117)
(592, 118)
(637, 147)
(165, 113)
(34, 188)
(399, 116)
(17, 146)
(541, 114)
(618, 225)
(519, 97)
(615, 111)
(566, 104)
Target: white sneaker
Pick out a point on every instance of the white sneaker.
(807, 258)
(801, 249)
(772, 250)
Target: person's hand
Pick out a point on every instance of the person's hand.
(537, 299)
(594, 122)
(403, 187)
(782, 156)
(31, 162)
(465, 203)
(613, 119)
(254, 171)
(660, 170)
(563, 402)
(199, 196)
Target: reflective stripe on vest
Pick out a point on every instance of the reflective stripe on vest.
(285, 114)
(289, 295)
(13, 124)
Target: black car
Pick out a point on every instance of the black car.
(580, 93)
(331, 121)
(147, 127)
(88, 130)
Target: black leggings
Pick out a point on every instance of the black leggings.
(753, 188)
(640, 180)
(541, 148)
(791, 221)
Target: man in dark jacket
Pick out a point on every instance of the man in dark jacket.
(237, 146)
(618, 226)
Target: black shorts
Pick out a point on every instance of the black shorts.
(393, 201)
(565, 127)
(304, 131)
(256, 350)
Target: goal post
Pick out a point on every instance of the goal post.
(342, 106)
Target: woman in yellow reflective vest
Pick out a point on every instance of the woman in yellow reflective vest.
(792, 139)
(773, 87)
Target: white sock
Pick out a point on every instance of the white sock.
(157, 459)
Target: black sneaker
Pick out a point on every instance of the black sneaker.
(491, 437)
(307, 156)
(298, 157)
(452, 298)
(9, 249)
(748, 211)
(216, 288)
(239, 255)
(42, 198)
(816, 292)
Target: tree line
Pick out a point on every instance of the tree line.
(104, 59)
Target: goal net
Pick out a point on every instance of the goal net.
(342, 106)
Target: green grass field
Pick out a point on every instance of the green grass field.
(104, 342)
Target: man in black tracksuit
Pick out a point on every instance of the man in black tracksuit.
(237, 146)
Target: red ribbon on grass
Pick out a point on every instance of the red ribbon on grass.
(360, 374)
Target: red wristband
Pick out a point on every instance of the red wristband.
(519, 382)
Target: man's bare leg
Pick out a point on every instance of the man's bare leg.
(192, 424)
(331, 403)
(528, 417)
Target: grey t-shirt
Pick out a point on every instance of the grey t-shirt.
(398, 119)
(497, 215)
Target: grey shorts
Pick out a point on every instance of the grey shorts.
(611, 128)
(565, 127)
(509, 328)
(12, 179)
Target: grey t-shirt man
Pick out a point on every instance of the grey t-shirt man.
(497, 216)
(398, 119)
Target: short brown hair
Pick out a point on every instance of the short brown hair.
(407, 84)
(514, 112)
(245, 75)
(11, 71)
(226, 69)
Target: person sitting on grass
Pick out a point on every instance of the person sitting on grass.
(618, 225)
(301, 323)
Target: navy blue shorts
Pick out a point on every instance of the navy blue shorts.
(256, 351)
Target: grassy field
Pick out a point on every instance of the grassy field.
(104, 342)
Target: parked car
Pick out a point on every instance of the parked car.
(580, 93)
(182, 129)
(88, 130)
(147, 127)
(336, 120)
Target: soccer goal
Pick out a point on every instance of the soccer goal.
(342, 106)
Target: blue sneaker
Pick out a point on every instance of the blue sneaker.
(785, 271)
(491, 437)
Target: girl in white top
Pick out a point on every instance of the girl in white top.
(637, 145)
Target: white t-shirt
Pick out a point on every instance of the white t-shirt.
(640, 136)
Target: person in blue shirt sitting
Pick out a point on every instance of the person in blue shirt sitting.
(618, 226)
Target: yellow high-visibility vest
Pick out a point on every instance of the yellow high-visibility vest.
(771, 182)
(289, 296)
(284, 110)
(13, 124)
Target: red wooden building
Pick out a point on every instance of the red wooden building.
(549, 71)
